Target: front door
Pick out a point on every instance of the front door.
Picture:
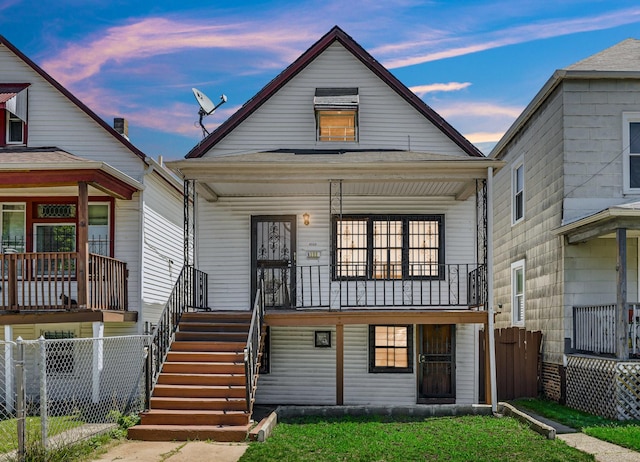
(273, 249)
(436, 356)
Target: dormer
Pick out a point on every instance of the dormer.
(13, 114)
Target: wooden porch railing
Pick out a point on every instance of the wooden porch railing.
(47, 281)
(594, 329)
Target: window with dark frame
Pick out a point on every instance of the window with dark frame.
(15, 129)
(634, 154)
(518, 193)
(388, 247)
(391, 348)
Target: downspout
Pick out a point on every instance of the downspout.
(490, 313)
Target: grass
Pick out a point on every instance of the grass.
(626, 434)
(8, 430)
(374, 438)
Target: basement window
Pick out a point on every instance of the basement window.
(336, 114)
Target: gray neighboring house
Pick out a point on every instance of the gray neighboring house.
(567, 226)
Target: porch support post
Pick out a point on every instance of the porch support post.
(622, 315)
(490, 321)
(82, 265)
(339, 364)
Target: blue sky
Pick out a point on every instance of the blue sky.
(477, 63)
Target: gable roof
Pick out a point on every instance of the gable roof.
(72, 98)
(334, 35)
(620, 61)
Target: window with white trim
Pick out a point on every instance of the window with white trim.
(517, 186)
(631, 151)
(517, 293)
(15, 129)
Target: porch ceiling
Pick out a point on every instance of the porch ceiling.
(604, 224)
(363, 173)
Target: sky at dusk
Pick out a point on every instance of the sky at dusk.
(477, 63)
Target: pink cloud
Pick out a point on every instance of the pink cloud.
(502, 38)
(422, 90)
(158, 36)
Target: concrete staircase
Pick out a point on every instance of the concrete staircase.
(201, 390)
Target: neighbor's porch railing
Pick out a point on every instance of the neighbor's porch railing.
(252, 350)
(450, 285)
(594, 329)
(45, 281)
(189, 292)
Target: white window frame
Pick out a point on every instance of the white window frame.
(108, 236)
(515, 192)
(628, 118)
(12, 117)
(516, 319)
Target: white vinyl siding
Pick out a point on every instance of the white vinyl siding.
(162, 244)
(127, 245)
(224, 235)
(300, 372)
(466, 363)
(287, 119)
(56, 121)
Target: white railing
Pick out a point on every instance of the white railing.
(594, 329)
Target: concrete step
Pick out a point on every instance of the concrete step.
(193, 417)
(201, 379)
(169, 402)
(191, 432)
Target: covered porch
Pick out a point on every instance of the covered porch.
(53, 269)
(344, 230)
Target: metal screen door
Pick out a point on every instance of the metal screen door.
(273, 246)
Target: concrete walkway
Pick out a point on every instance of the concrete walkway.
(177, 451)
(601, 450)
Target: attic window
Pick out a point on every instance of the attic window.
(336, 114)
(13, 112)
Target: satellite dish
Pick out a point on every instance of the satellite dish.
(206, 107)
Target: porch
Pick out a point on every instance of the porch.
(41, 286)
(57, 232)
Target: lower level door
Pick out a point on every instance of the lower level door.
(436, 357)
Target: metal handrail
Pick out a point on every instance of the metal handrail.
(252, 350)
(189, 292)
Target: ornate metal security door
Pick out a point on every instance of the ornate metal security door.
(273, 247)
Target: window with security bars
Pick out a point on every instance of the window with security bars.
(389, 247)
(391, 348)
(60, 355)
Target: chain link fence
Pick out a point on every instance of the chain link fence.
(60, 390)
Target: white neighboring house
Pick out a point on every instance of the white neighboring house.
(567, 224)
(364, 212)
(91, 227)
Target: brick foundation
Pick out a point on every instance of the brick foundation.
(554, 382)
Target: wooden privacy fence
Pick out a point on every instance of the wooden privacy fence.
(517, 363)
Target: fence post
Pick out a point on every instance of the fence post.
(44, 412)
(20, 398)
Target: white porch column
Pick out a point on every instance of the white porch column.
(98, 360)
(8, 369)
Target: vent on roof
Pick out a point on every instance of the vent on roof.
(336, 98)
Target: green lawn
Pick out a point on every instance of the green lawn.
(9, 432)
(626, 434)
(467, 438)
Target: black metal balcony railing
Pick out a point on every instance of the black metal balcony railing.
(450, 285)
